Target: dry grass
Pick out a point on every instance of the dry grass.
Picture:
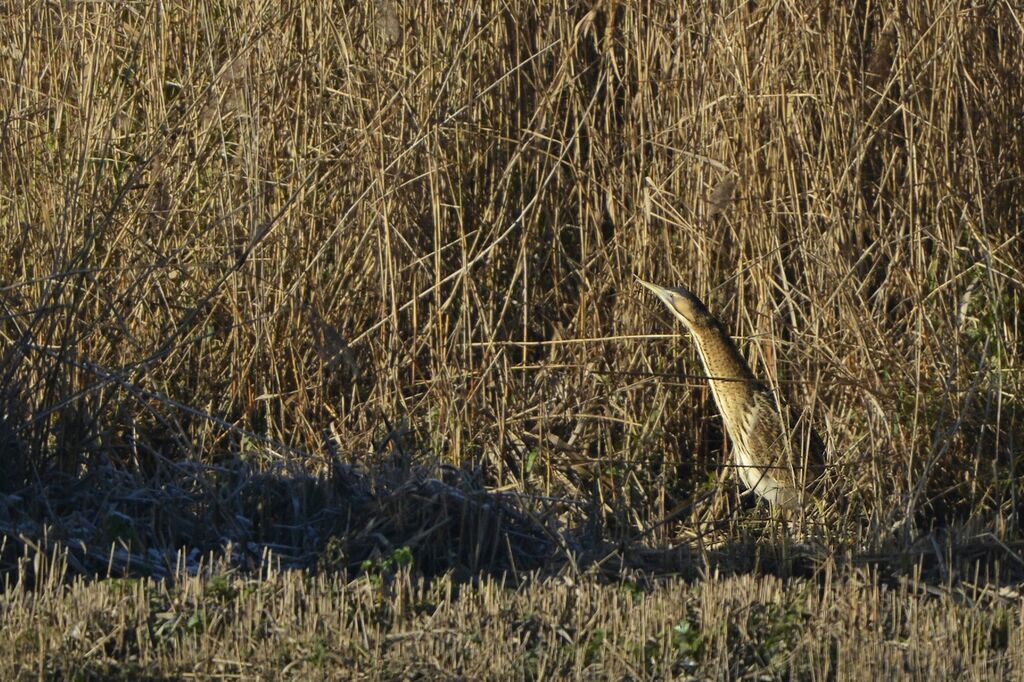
(288, 625)
(339, 280)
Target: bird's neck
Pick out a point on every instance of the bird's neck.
(723, 363)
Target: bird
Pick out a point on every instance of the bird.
(779, 457)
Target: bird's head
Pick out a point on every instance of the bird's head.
(687, 307)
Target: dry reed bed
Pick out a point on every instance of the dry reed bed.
(276, 231)
(238, 238)
(292, 626)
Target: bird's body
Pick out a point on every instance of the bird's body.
(777, 456)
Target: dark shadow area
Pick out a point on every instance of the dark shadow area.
(114, 524)
(109, 523)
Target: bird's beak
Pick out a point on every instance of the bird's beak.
(661, 292)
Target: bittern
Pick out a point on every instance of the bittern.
(777, 456)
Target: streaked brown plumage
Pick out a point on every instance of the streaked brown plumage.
(777, 456)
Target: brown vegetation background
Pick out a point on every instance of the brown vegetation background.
(261, 262)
